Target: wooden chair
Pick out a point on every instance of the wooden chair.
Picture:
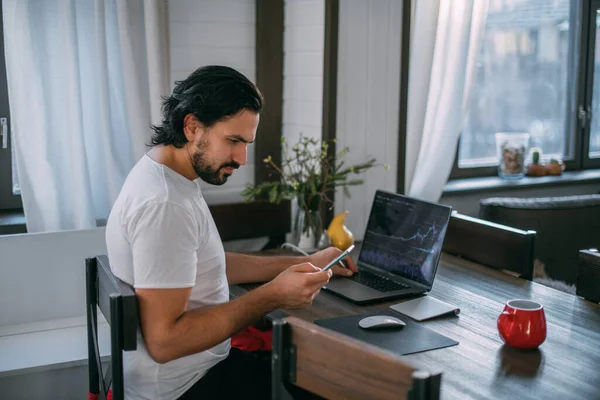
(588, 275)
(335, 366)
(491, 244)
(118, 304)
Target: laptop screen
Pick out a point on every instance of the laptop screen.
(404, 236)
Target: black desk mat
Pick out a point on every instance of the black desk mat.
(413, 338)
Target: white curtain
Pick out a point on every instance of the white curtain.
(445, 44)
(84, 81)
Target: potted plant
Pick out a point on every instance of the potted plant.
(537, 168)
(306, 175)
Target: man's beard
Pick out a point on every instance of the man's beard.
(205, 171)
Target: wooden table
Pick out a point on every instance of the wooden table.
(566, 366)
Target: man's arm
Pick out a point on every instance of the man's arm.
(164, 243)
(170, 332)
(242, 268)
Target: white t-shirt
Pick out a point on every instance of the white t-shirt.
(160, 234)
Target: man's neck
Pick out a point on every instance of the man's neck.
(176, 159)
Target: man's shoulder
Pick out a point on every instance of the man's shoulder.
(147, 190)
(146, 185)
(140, 215)
(144, 177)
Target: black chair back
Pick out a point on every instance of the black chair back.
(118, 305)
(563, 225)
(588, 275)
(494, 245)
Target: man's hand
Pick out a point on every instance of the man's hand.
(298, 285)
(323, 257)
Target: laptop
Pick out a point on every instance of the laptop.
(400, 251)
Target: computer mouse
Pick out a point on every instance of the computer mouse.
(381, 322)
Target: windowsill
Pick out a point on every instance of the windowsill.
(12, 222)
(494, 183)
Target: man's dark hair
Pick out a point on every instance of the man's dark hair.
(211, 93)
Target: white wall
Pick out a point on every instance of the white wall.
(206, 32)
(303, 68)
(222, 31)
(303, 46)
(42, 275)
(367, 98)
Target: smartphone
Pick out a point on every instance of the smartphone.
(338, 258)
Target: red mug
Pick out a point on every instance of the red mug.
(522, 324)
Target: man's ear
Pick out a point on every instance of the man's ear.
(191, 127)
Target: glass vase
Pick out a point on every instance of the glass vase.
(307, 228)
(511, 149)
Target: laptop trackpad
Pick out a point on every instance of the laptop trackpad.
(350, 288)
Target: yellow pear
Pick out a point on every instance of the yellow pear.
(339, 235)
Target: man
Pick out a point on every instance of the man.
(162, 240)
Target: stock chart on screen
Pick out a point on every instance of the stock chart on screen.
(404, 237)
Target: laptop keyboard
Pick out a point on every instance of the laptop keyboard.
(377, 282)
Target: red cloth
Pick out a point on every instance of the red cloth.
(252, 339)
(94, 396)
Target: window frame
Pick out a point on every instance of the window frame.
(580, 77)
(8, 200)
(590, 27)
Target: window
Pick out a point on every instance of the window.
(594, 70)
(534, 75)
(9, 187)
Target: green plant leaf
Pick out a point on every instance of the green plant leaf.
(355, 182)
(273, 194)
(347, 192)
(307, 172)
(313, 187)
